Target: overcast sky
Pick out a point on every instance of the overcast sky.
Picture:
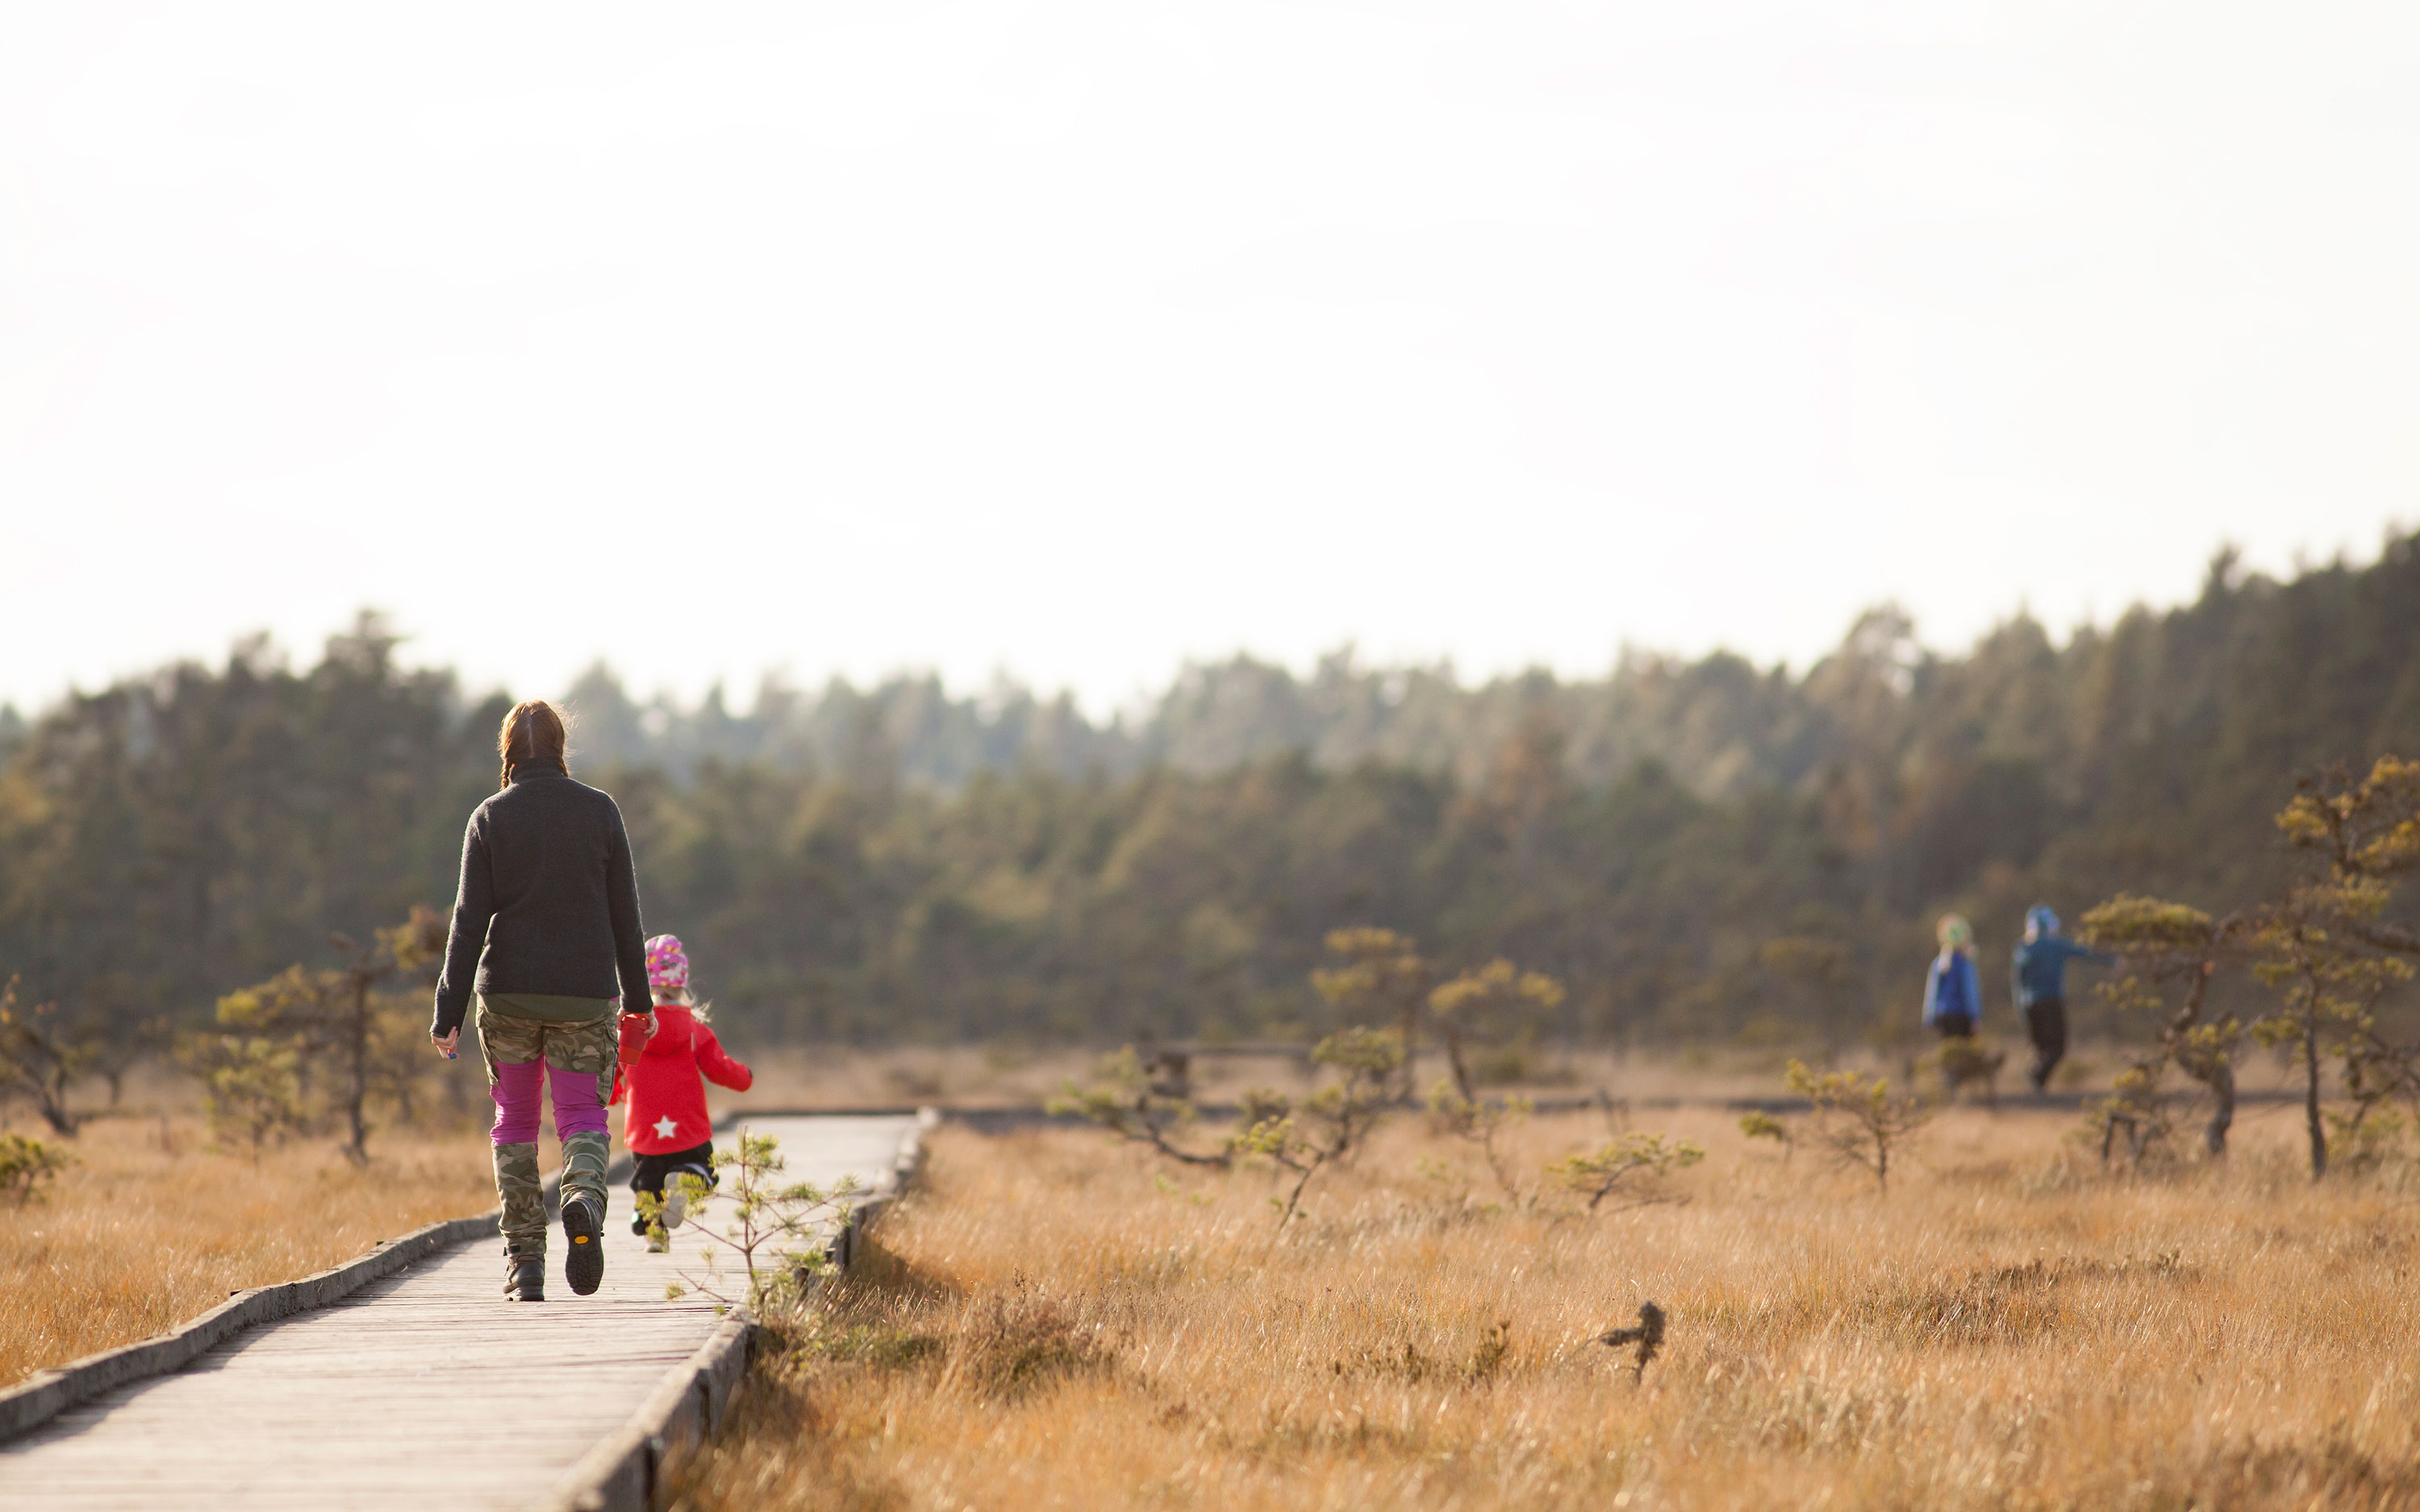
(1075, 340)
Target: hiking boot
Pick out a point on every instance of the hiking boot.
(583, 1229)
(524, 1276)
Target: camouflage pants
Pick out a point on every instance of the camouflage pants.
(573, 1055)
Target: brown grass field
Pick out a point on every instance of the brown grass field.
(1055, 1321)
(153, 1226)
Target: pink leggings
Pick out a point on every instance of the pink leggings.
(577, 1109)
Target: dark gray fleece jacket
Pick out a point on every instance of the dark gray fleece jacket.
(548, 899)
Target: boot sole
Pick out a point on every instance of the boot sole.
(584, 1266)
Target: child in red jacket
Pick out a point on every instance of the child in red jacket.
(666, 1127)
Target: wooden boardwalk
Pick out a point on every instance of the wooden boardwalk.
(422, 1391)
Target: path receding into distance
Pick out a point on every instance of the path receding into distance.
(422, 1391)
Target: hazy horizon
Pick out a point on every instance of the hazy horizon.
(1077, 340)
(742, 695)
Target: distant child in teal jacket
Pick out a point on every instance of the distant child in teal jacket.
(2037, 974)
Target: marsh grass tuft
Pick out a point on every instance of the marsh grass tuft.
(1021, 1341)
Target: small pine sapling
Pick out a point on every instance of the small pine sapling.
(1758, 1124)
(2375, 1072)
(1965, 1062)
(1122, 1100)
(252, 1089)
(778, 1232)
(2138, 1114)
(1631, 1164)
(1332, 1124)
(26, 1166)
(1858, 1119)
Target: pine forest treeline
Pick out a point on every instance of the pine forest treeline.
(1676, 840)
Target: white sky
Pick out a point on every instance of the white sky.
(1075, 339)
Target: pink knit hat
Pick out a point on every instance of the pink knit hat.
(667, 964)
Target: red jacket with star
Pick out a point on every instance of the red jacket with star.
(667, 1097)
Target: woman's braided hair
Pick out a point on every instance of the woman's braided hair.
(533, 731)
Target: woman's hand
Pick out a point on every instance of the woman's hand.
(449, 1045)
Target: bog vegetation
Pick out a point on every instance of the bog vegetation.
(1057, 1320)
(139, 1224)
(1694, 850)
(1360, 1290)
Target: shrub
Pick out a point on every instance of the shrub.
(1630, 1164)
(26, 1165)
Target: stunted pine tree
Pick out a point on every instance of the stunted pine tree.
(1121, 1099)
(1498, 1006)
(2167, 955)
(1857, 1117)
(1305, 1138)
(40, 1060)
(778, 1231)
(1629, 1162)
(251, 1088)
(1384, 979)
(330, 1019)
(2322, 945)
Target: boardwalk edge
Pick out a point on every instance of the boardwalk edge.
(48, 1393)
(625, 1473)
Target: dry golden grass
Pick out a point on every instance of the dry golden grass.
(1053, 1322)
(984, 1076)
(151, 1225)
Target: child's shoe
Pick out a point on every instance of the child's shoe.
(675, 1206)
(658, 1242)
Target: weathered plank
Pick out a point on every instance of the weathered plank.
(428, 1389)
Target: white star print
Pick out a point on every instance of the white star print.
(664, 1127)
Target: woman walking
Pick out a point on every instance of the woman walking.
(546, 933)
(1953, 994)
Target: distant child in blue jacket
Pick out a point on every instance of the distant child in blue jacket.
(2038, 976)
(1953, 994)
